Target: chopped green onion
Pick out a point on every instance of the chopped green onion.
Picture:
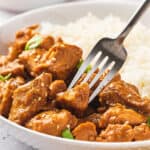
(67, 134)
(148, 121)
(5, 78)
(34, 42)
(88, 67)
(80, 63)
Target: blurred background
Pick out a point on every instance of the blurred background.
(24, 5)
(10, 8)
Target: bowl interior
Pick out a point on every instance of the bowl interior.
(62, 14)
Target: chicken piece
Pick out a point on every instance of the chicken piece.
(15, 68)
(31, 59)
(47, 42)
(21, 39)
(56, 87)
(116, 133)
(85, 131)
(6, 92)
(52, 122)
(50, 105)
(75, 99)
(119, 114)
(60, 60)
(29, 98)
(95, 118)
(126, 94)
(142, 132)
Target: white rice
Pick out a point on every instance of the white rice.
(86, 31)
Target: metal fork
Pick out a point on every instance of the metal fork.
(112, 55)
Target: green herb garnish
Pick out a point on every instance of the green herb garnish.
(148, 121)
(88, 67)
(5, 78)
(80, 63)
(67, 134)
(34, 42)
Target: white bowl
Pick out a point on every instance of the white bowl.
(23, 5)
(62, 14)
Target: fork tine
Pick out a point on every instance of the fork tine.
(99, 60)
(102, 70)
(106, 80)
(83, 67)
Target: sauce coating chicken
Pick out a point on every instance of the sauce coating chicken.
(94, 118)
(33, 93)
(141, 132)
(6, 92)
(126, 94)
(75, 99)
(120, 115)
(22, 37)
(124, 132)
(30, 59)
(60, 60)
(47, 42)
(85, 131)
(14, 67)
(56, 87)
(116, 133)
(29, 98)
(52, 122)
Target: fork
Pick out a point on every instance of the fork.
(111, 55)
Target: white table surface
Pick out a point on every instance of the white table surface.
(7, 142)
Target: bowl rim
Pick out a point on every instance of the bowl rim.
(59, 139)
(77, 142)
(68, 4)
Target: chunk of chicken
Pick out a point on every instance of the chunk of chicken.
(14, 67)
(95, 118)
(60, 60)
(142, 132)
(52, 122)
(31, 59)
(50, 105)
(126, 94)
(119, 114)
(75, 99)
(65, 59)
(21, 39)
(56, 87)
(29, 98)
(85, 131)
(47, 42)
(116, 133)
(6, 91)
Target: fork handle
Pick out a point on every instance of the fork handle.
(140, 11)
